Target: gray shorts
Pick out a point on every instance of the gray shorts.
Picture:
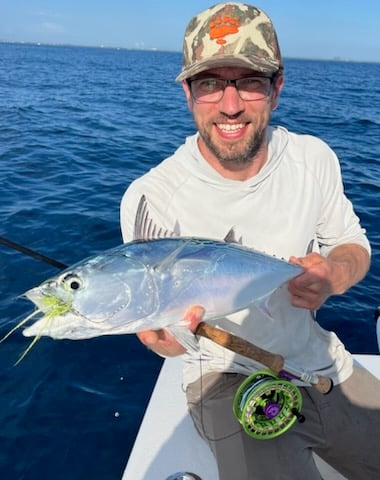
(342, 427)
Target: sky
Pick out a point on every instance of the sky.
(323, 29)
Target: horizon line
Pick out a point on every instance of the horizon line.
(155, 49)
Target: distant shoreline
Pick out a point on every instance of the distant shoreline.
(110, 47)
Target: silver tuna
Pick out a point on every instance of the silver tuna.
(150, 284)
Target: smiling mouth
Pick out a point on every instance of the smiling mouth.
(230, 128)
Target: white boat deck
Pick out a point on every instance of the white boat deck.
(167, 441)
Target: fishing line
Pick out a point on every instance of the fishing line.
(201, 409)
(32, 253)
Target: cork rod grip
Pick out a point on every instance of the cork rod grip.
(324, 385)
(240, 346)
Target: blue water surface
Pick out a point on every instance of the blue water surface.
(77, 125)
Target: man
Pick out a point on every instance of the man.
(280, 193)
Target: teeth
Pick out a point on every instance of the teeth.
(230, 128)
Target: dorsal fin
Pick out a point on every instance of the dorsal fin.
(310, 246)
(231, 236)
(145, 228)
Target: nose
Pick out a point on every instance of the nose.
(231, 104)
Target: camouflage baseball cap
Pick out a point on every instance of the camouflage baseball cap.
(230, 34)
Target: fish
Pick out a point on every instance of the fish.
(149, 284)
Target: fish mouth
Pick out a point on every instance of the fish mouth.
(58, 318)
(48, 302)
(49, 310)
(51, 307)
(59, 327)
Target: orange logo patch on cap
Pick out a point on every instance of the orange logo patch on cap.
(223, 24)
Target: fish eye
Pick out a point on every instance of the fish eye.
(72, 282)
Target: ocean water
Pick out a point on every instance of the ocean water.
(77, 125)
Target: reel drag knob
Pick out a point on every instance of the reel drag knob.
(272, 409)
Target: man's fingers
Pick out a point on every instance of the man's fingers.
(193, 316)
(148, 337)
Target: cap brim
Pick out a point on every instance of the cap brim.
(254, 63)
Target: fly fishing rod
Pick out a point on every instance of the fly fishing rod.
(32, 253)
(271, 360)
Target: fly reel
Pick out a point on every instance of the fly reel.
(267, 405)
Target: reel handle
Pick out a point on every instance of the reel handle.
(243, 347)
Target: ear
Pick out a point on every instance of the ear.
(189, 98)
(277, 87)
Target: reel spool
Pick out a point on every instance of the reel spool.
(267, 405)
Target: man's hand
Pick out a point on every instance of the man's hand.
(326, 276)
(313, 287)
(163, 343)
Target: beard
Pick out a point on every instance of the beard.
(235, 154)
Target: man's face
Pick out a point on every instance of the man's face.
(233, 130)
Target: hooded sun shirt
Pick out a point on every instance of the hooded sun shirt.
(294, 202)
